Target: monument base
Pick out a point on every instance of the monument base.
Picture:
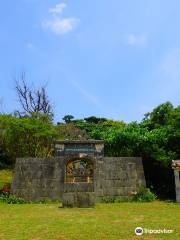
(78, 199)
(177, 184)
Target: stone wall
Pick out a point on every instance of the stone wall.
(121, 176)
(44, 178)
(38, 178)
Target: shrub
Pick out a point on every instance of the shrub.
(5, 197)
(108, 200)
(115, 199)
(144, 195)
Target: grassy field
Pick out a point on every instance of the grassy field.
(105, 221)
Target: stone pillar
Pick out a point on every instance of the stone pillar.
(176, 167)
(177, 184)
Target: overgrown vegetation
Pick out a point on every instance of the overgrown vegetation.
(6, 197)
(26, 136)
(144, 195)
(11, 199)
(115, 200)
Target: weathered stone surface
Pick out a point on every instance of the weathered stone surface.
(78, 199)
(177, 184)
(120, 176)
(69, 200)
(78, 187)
(39, 178)
(78, 195)
(42, 178)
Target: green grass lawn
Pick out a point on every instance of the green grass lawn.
(105, 221)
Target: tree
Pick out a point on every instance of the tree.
(68, 118)
(27, 136)
(33, 101)
(95, 120)
(70, 132)
(160, 116)
(4, 158)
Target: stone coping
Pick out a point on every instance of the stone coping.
(90, 141)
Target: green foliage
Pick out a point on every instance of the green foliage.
(68, 118)
(160, 116)
(11, 199)
(89, 127)
(95, 120)
(144, 195)
(27, 136)
(71, 132)
(115, 199)
(108, 200)
(123, 141)
(96, 130)
(4, 158)
(157, 137)
(113, 123)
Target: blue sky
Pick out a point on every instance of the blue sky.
(116, 59)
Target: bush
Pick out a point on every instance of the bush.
(115, 199)
(5, 197)
(144, 195)
(108, 200)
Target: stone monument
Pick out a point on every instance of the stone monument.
(79, 174)
(176, 167)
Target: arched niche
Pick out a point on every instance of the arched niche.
(79, 170)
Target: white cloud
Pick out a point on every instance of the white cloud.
(58, 8)
(137, 40)
(57, 24)
(60, 25)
